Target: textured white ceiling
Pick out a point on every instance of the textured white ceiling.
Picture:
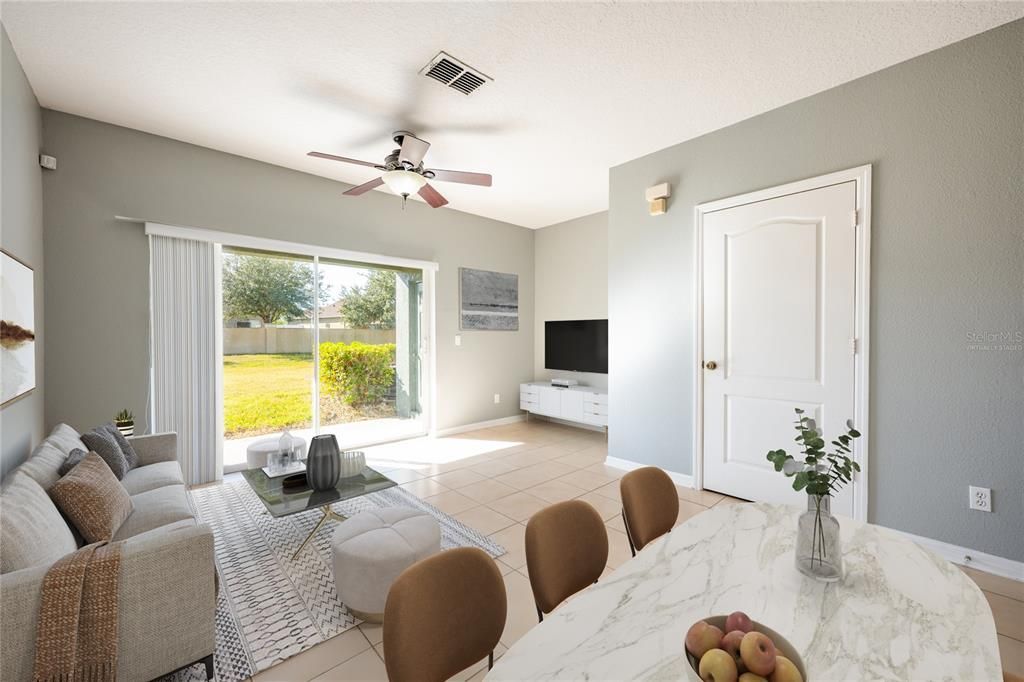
(578, 87)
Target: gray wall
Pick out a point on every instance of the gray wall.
(571, 271)
(96, 280)
(21, 235)
(945, 135)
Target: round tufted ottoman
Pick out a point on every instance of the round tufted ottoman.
(372, 548)
(258, 451)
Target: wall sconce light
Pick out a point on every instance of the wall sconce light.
(657, 198)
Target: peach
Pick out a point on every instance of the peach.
(737, 620)
(785, 671)
(717, 666)
(731, 644)
(751, 677)
(702, 637)
(758, 653)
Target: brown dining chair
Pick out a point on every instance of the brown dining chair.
(442, 615)
(1010, 677)
(650, 505)
(566, 550)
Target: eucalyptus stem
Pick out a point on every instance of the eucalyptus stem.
(814, 537)
(818, 535)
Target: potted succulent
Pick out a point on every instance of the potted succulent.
(125, 423)
(821, 474)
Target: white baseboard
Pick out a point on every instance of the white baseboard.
(685, 480)
(964, 556)
(479, 425)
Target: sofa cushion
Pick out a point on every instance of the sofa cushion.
(65, 439)
(44, 462)
(43, 466)
(155, 508)
(104, 445)
(32, 531)
(93, 499)
(152, 476)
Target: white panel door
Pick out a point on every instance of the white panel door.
(779, 306)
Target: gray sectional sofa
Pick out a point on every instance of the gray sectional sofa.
(167, 591)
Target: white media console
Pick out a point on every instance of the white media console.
(582, 404)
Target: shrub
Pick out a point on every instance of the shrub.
(357, 373)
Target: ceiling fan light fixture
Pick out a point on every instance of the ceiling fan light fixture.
(404, 182)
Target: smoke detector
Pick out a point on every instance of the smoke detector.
(455, 74)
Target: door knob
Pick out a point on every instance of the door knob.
(711, 364)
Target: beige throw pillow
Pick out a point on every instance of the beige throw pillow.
(91, 496)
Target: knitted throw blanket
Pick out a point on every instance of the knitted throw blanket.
(76, 638)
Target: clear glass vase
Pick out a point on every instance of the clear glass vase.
(818, 552)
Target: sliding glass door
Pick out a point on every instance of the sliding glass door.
(369, 352)
(317, 345)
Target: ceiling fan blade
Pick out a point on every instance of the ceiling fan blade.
(482, 179)
(332, 157)
(432, 196)
(413, 149)
(365, 187)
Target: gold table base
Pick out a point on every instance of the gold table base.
(328, 515)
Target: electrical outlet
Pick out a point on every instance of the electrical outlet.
(497, 398)
(981, 498)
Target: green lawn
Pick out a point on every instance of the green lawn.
(267, 393)
(270, 393)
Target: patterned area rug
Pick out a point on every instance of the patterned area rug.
(271, 607)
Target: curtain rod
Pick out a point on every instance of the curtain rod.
(268, 244)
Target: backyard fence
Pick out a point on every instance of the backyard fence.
(243, 341)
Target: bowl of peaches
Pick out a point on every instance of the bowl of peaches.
(734, 648)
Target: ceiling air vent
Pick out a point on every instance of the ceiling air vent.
(446, 69)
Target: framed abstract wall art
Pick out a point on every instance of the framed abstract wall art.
(488, 301)
(17, 329)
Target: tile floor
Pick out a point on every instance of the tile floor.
(494, 480)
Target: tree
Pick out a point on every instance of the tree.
(370, 305)
(272, 289)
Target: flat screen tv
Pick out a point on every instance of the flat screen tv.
(576, 345)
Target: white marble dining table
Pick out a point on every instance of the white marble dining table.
(899, 612)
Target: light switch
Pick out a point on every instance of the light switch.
(458, 339)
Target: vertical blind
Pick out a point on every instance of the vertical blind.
(185, 324)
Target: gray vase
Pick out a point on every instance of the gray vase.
(323, 465)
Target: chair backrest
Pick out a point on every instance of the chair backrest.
(649, 503)
(443, 614)
(566, 550)
(1010, 677)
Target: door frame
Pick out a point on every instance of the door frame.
(861, 175)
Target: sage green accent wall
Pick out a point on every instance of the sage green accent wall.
(944, 133)
(97, 268)
(572, 283)
(21, 235)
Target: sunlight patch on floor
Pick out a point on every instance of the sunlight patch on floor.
(426, 451)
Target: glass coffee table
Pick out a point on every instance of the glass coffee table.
(280, 502)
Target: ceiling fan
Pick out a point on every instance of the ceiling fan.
(404, 173)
